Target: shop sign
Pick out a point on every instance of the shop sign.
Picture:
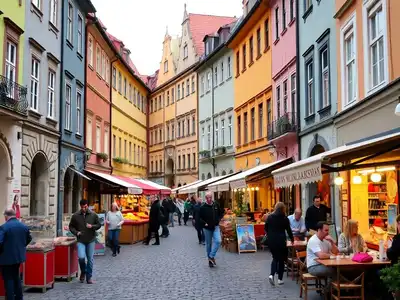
(302, 175)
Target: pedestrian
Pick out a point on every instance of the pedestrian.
(155, 218)
(187, 208)
(317, 212)
(276, 226)
(83, 225)
(171, 210)
(197, 224)
(114, 219)
(14, 237)
(179, 209)
(164, 221)
(210, 216)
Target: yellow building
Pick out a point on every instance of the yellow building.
(128, 118)
(173, 105)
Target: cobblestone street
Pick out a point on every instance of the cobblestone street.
(175, 270)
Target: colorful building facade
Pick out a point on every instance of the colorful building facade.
(13, 103)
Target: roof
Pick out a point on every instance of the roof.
(201, 25)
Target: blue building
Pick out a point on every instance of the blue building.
(72, 107)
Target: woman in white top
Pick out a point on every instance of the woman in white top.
(114, 220)
(179, 209)
(350, 241)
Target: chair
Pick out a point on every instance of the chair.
(308, 282)
(292, 262)
(349, 285)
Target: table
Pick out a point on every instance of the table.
(66, 257)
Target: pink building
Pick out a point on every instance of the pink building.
(282, 131)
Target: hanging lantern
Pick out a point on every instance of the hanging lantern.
(243, 190)
(357, 179)
(248, 189)
(376, 177)
(234, 190)
(252, 188)
(338, 180)
(257, 188)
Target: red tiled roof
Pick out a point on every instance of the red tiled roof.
(151, 80)
(201, 25)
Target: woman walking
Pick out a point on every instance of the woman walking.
(114, 220)
(276, 227)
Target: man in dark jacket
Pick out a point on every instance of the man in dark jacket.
(316, 213)
(14, 237)
(171, 211)
(155, 219)
(197, 223)
(210, 215)
(164, 222)
(83, 225)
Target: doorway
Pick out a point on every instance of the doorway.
(4, 174)
(39, 186)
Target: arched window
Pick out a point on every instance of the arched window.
(203, 177)
(209, 176)
(223, 173)
(231, 172)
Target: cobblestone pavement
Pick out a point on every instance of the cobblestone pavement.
(175, 270)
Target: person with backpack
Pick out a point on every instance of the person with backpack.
(156, 217)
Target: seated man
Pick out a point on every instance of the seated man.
(297, 224)
(321, 246)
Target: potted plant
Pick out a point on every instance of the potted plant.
(103, 156)
(390, 277)
(120, 160)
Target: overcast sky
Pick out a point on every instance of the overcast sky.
(141, 24)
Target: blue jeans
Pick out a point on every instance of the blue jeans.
(86, 251)
(113, 236)
(213, 241)
(171, 219)
(12, 281)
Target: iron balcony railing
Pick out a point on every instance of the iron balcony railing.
(13, 96)
(284, 124)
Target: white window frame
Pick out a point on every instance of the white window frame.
(98, 137)
(203, 146)
(81, 27)
(37, 4)
(90, 50)
(202, 85)
(53, 12)
(166, 66)
(70, 23)
(310, 88)
(185, 51)
(79, 100)
(208, 137)
(369, 7)
(325, 82)
(11, 61)
(222, 72)
(229, 67)
(35, 83)
(51, 95)
(107, 70)
(89, 132)
(208, 85)
(230, 130)
(68, 110)
(106, 139)
(98, 59)
(349, 26)
(216, 125)
(103, 65)
(222, 132)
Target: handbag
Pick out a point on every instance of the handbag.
(362, 257)
(264, 240)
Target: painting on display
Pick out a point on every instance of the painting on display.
(246, 238)
(100, 247)
(392, 213)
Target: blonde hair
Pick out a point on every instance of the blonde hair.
(280, 207)
(351, 231)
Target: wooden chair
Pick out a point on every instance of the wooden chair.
(349, 285)
(292, 265)
(308, 282)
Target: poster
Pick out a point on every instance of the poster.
(392, 213)
(344, 208)
(246, 238)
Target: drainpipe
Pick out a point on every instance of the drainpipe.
(109, 133)
(88, 23)
(212, 117)
(60, 124)
(298, 91)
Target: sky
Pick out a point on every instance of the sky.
(141, 24)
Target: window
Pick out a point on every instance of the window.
(89, 134)
(269, 112)
(285, 90)
(222, 71)
(106, 134)
(70, 22)
(229, 67)
(68, 98)
(239, 131)
(107, 70)
(258, 42)
(215, 76)
(53, 11)
(260, 120)
(193, 85)
(277, 23)
(161, 165)
(283, 15)
(130, 152)
(103, 65)
(125, 87)
(291, 8)
(178, 134)
(173, 95)
(167, 98)
(183, 162)
(325, 77)
(80, 34)
(376, 30)
(188, 126)
(125, 149)
(114, 145)
(278, 101)
(161, 135)
(168, 134)
(134, 156)
(11, 61)
(159, 102)
(135, 96)
(155, 137)
(266, 34)
(253, 124)
(209, 137)
(230, 130)
(179, 162)
(237, 63)
(244, 53)
(156, 165)
(193, 125)
(203, 146)
(183, 90)
(188, 161)
(202, 85)
(114, 78)
(90, 51)
(35, 87)
(251, 48)
(130, 93)
(98, 59)
(152, 167)
(216, 135)
(179, 92)
(293, 92)
(208, 81)
(350, 83)
(166, 66)
(194, 160)
(223, 132)
(185, 51)
(155, 102)
(51, 95)
(37, 3)
(78, 111)
(98, 137)
(307, 5)
(310, 88)
(120, 82)
(187, 87)
(183, 128)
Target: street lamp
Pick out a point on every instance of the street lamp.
(397, 109)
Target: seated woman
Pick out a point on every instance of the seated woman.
(350, 241)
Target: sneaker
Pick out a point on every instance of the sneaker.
(156, 244)
(271, 280)
(210, 263)
(82, 277)
(89, 281)
(213, 261)
(114, 254)
(280, 282)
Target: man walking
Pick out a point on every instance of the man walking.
(164, 222)
(210, 215)
(155, 219)
(83, 225)
(14, 237)
(197, 223)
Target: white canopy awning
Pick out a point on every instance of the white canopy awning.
(132, 189)
(310, 169)
(175, 190)
(164, 189)
(194, 187)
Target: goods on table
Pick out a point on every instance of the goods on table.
(64, 240)
(41, 245)
(131, 217)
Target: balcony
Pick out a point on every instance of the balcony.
(283, 125)
(204, 154)
(221, 150)
(12, 98)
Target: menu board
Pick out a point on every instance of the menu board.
(333, 232)
(392, 213)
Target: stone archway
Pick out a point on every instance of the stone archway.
(39, 185)
(76, 194)
(169, 172)
(5, 175)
